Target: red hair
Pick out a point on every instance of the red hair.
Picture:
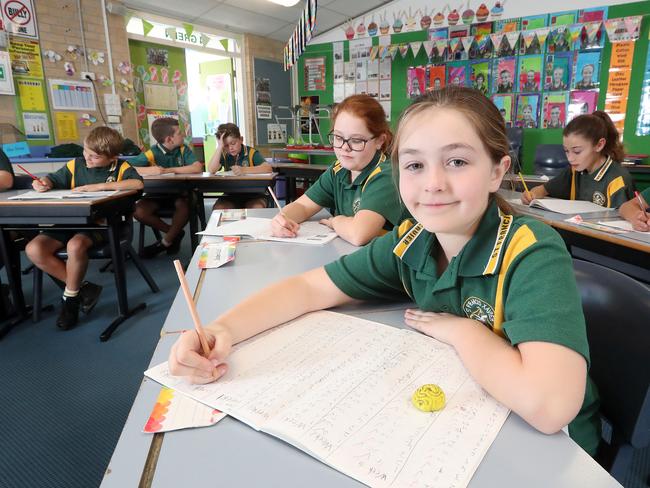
(371, 112)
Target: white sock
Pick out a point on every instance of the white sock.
(70, 293)
(165, 242)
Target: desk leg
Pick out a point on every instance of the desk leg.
(291, 189)
(12, 265)
(195, 199)
(120, 281)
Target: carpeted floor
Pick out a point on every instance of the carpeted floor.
(65, 395)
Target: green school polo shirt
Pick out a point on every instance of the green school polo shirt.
(646, 195)
(76, 173)
(248, 156)
(609, 186)
(180, 156)
(5, 164)
(374, 189)
(515, 276)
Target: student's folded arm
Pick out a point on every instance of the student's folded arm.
(262, 168)
(128, 184)
(215, 162)
(281, 302)
(195, 167)
(6, 180)
(360, 229)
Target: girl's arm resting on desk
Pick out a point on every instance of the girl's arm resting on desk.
(130, 184)
(542, 382)
(537, 192)
(251, 170)
(358, 230)
(631, 211)
(286, 224)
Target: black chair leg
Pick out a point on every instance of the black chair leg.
(130, 252)
(38, 294)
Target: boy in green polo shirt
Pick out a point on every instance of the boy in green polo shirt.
(233, 155)
(169, 155)
(99, 169)
(637, 211)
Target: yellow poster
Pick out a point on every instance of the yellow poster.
(30, 93)
(618, 82)
(25, 58)
(622, 54)
(66, 127)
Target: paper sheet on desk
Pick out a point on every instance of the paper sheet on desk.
(174, 411)
(339, 388)
(620, 224)
(259, 228)
(230, 173)
(558, 205)
(216, 254)
(59, 194)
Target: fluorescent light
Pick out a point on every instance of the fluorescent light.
(285, 3)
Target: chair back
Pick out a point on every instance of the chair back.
(516, 141)
(617, 313)
(550, 159)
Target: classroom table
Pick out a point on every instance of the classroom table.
(74, 214)
(233, 454)
(291, 171)
(512, 181)
(198, 184)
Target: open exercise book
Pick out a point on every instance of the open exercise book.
(58, 194)
(259, 228)
(563, 206)
(339, 388)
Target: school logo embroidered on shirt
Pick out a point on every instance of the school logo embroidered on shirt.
(478, 309)
(356, 204)
(598, 198)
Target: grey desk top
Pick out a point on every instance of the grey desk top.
(232, 454)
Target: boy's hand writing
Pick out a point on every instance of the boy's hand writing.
(185, 358)
(282, 226)
(238, 170)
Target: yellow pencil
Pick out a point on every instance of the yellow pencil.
(524, 183)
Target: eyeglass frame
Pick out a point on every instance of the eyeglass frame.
(331, 135)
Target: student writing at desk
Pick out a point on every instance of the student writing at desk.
(358, 188)
(169, 155)
(594, 174)
(99, 169)
(636, 211)
(482, 277)
(233, 155)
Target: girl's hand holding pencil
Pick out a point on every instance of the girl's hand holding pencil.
(281, 225)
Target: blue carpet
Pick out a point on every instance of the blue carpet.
(66, 395)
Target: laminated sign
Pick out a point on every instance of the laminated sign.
(20, 18)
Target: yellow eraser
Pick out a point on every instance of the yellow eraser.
(429, 398)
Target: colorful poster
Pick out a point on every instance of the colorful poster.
(530, 73)
(72, 95)
(581, 102)
(527, 110)
(456, 74)
(36, 125)
(557, 72)
(30, 94)
(314, 74)
(592, 14)
(504, 75)
(506, 105)
(587, 70)
(563, 18)
(25, 58)
(416, 81)
(479, 76)
(65, 125)
(533, 22)
(436, 77)
(559, 40)
(554, 113)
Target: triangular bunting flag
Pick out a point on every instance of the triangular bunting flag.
(497, 37)
(224, 43)
(428, 47)
(529, 37)
(513, 38)
(189, 28)
(542, 34)
(441, 45)
(403, 50)
(383, 52)
(467, 42)
(592, 29)
(615, 28)
(392, 49)
(146, 27)
(171, 33)
(204, 40)
(454, 44)
(374, 50)
(632, 25)
(415, 47)
(575, 31)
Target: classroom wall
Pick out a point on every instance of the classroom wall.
(58, 26)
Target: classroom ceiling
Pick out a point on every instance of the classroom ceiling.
(259, 17)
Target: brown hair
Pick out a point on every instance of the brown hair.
(371, 112)
(105, 141)
(482, 114)
(228, 130)
(163, 128)
(597, 126)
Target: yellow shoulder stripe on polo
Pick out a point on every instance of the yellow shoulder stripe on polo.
(504, 228)
(402, 246)
(123, 167)
(375, 172)
(337, 167)
(404, 227)
(572, 196)
(71, 167)
(150, 157)
(614, 185)
(522, 240)
(251, 153)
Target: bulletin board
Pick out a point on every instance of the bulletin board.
(402, 67)
(272, 75)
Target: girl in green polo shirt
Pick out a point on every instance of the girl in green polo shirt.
(358, 189)
(594, 173)
(497, 287)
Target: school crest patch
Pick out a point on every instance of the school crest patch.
(478, 309)
(356, 204)
(598, 198)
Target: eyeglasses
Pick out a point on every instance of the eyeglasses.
(354, 143)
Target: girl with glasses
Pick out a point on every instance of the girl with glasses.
(358, 189)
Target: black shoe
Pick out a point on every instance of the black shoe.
(176, 245)
(89, 294)
(153, 250)
(69, 313)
